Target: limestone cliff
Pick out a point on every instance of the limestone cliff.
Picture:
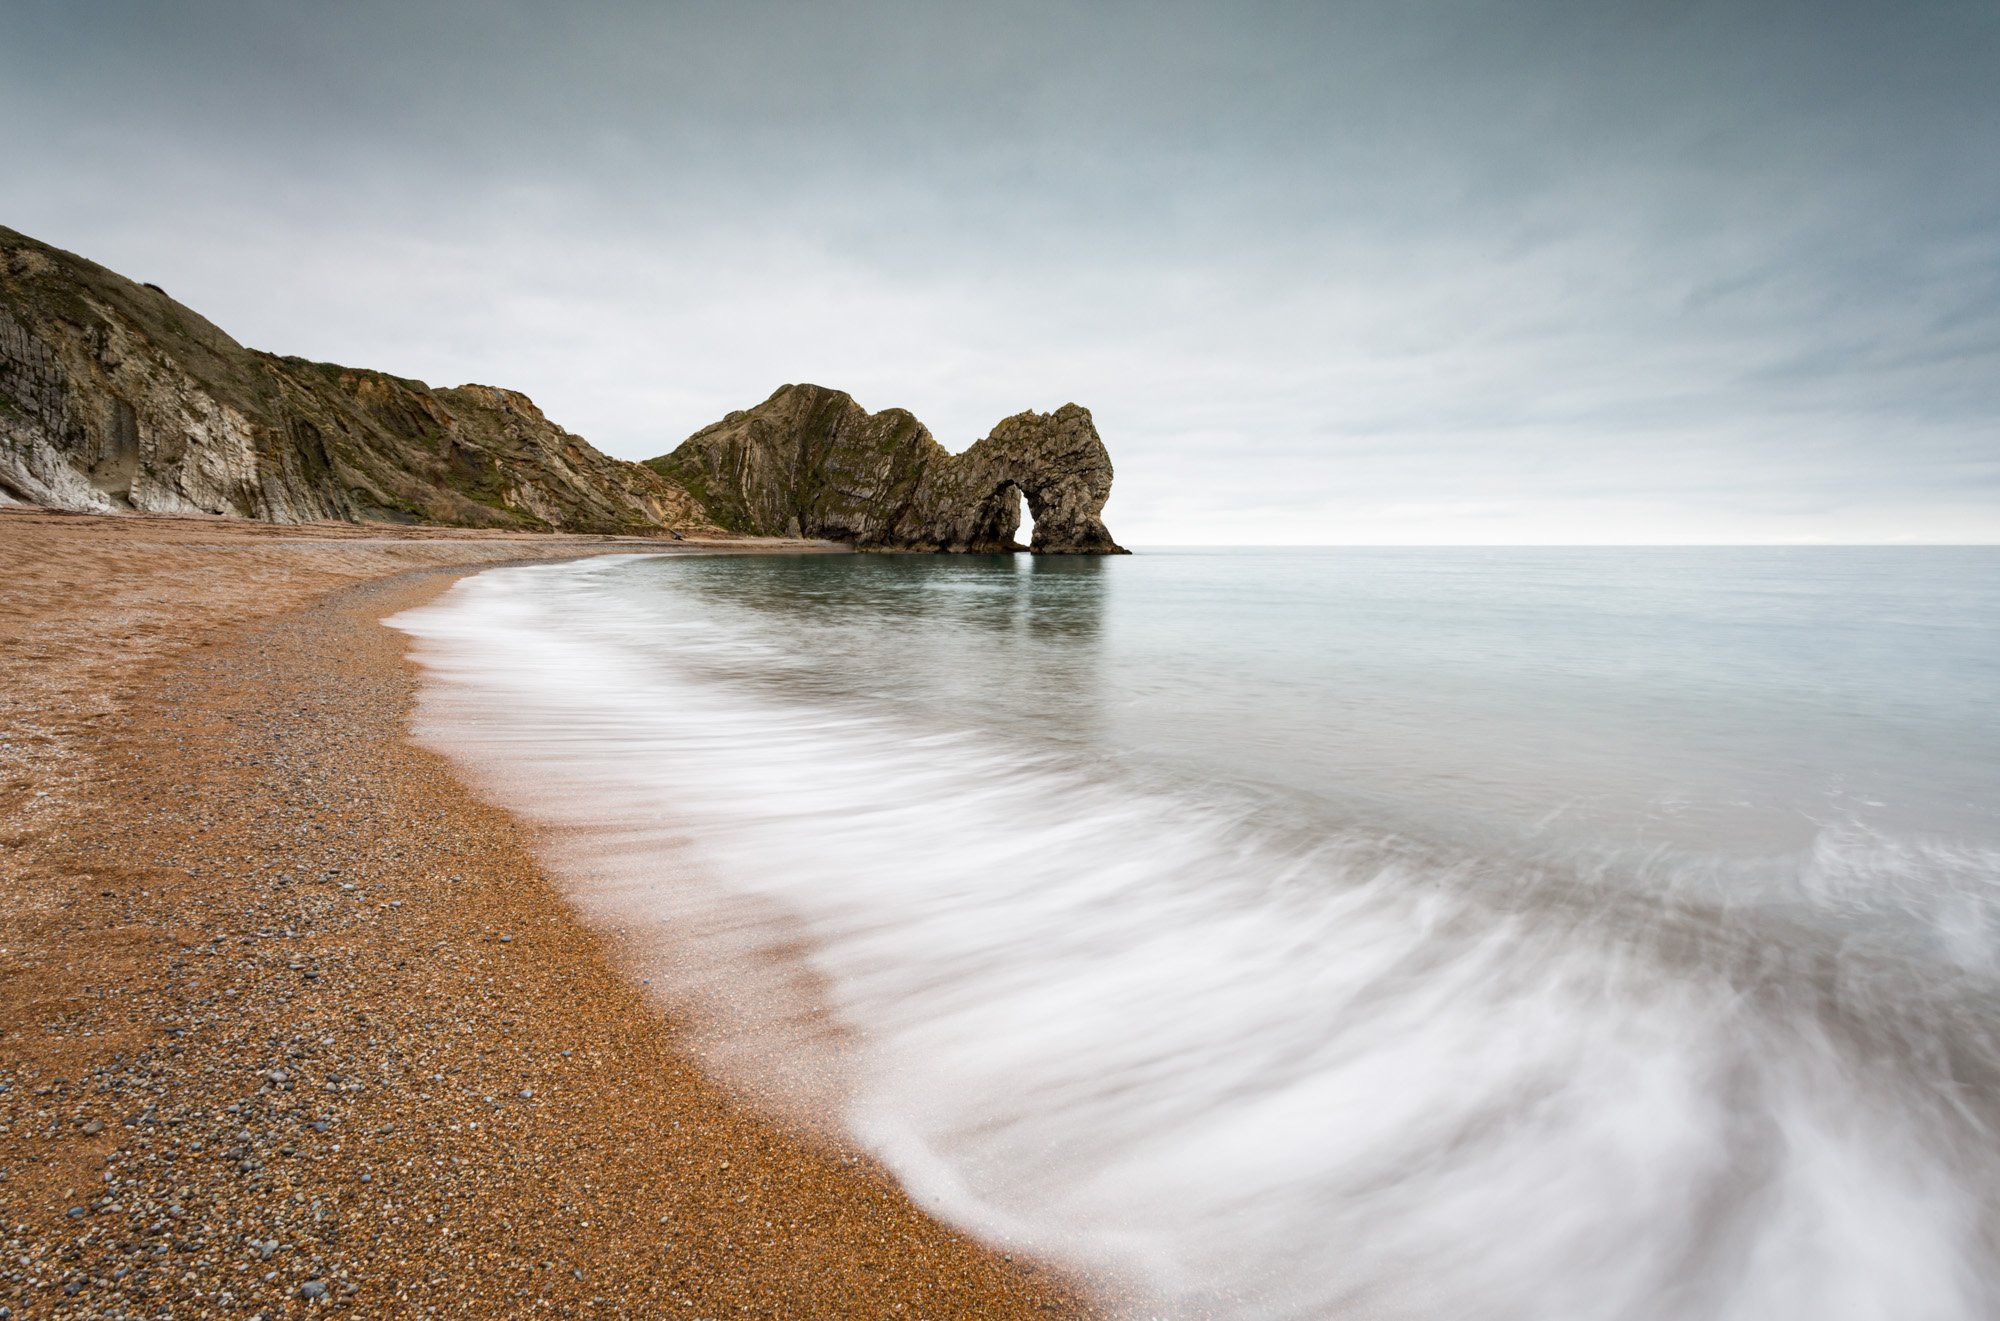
(114, 396)
(809, 461)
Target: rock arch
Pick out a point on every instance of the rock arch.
(996, 521)
(810, 461)
(1058, 462)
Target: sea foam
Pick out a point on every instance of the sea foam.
(1248, 1063)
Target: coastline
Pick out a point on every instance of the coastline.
(288, 1012)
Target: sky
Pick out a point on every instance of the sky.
(1415, 271)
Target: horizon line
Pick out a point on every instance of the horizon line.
(1564, 545)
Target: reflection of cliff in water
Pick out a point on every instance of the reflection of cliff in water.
(1056, 596)
(1060, 596)
(1001, 630)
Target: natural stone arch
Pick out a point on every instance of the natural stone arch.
(996, 522)
(810, 461)
(1056, 461)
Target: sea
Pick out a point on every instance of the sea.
(1471, 934)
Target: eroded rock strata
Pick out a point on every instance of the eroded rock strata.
(811, 462)
(113, 396)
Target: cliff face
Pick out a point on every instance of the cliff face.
(809, 461)
(114, 396)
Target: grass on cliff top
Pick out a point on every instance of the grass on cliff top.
(333, 371)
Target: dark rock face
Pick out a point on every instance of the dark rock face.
(114, 396)
(809, 461)
(1056, 460)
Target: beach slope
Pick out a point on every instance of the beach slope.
(288, 1015)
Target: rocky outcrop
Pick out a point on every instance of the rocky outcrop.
(809, 461)
(114, 396)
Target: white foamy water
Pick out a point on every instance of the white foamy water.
(1251, 994)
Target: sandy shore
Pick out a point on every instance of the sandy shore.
(286, 1015)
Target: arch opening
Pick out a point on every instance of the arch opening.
(1001, 519)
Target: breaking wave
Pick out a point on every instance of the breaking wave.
(1251, 1061)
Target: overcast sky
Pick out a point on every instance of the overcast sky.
(1520, 271)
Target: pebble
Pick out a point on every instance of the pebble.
(194, 1199)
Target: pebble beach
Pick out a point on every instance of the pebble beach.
(289, 1020)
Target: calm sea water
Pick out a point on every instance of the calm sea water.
(1523, 934)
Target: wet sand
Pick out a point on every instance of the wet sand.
(288, 1017)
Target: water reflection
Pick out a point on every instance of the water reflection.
(1054, 595)
(955, 639)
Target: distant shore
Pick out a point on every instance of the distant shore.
(285, 1013)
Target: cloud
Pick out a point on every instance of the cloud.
(1324, 273)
